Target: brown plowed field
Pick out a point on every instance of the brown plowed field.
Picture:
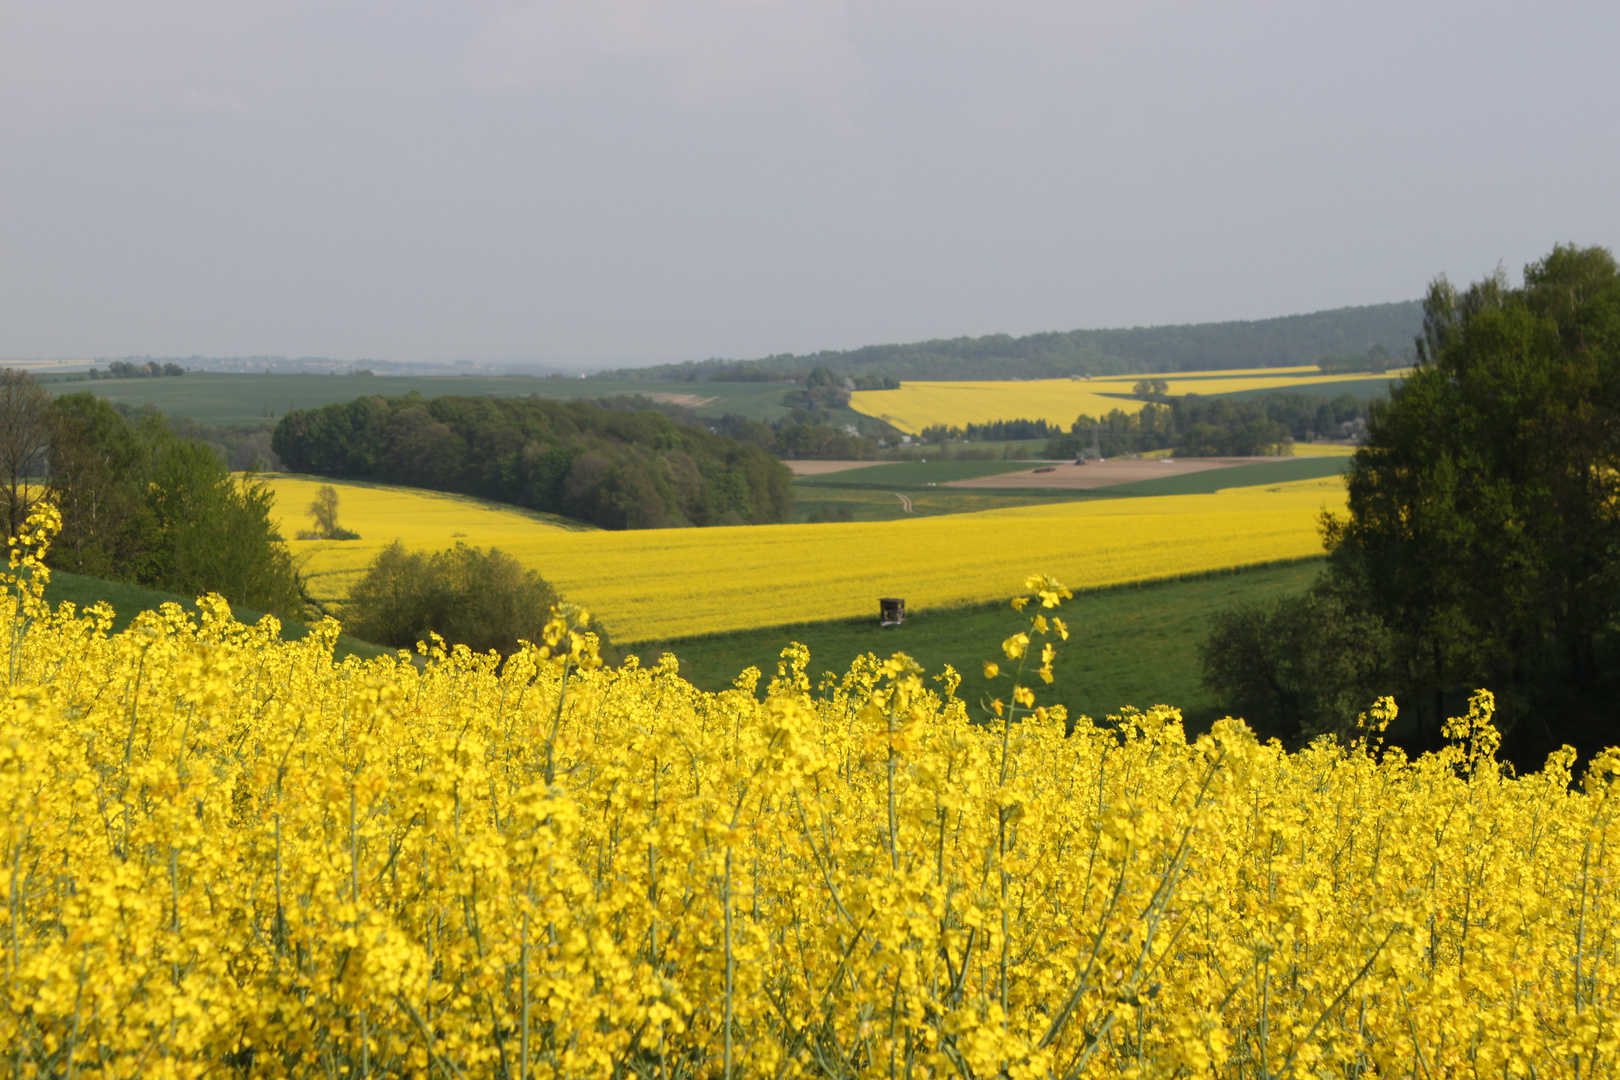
(1098, 474)
(822, 468)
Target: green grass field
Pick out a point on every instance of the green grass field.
(130, 600)
(211, 397)
(1134, 645)
(909, 475)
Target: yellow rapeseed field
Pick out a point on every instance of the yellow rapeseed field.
(382, 513)
(1305, 449)
(648, 585)
(917, 405)
(226, 856)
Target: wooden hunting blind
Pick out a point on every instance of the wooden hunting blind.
(891, 611)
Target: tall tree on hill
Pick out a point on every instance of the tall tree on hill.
(1484, 509)
(25, 431)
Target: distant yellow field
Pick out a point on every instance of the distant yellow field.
(667, 583)
(1323, 450)
(917, 405)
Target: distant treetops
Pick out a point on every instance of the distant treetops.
(125, 369)
(615, 468)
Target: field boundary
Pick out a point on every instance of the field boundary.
(645, 648)
(948, 486)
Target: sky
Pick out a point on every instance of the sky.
(587, 183)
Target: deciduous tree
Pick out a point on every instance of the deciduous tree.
(25, 430)
(1484, 509)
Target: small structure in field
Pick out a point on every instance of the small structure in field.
(891, 611)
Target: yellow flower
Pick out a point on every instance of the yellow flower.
(227, 840)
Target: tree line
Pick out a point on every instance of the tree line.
(1194, 425)
(1375, 361)
(1281, 342)
(991, 431)
(141, 501)
(820, 375)
(127, 369)
(1481, 545)
(616, 467)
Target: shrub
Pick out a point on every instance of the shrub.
(468, 596)
(1298, 669)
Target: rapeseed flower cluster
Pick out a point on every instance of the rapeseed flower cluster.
(225, 855)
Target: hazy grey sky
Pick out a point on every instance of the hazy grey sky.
(614, 180)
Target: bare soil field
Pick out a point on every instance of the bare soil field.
(822, 468)
(1096, 474)
(693, 401)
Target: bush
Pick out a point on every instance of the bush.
(1298, 669)
(481, 599)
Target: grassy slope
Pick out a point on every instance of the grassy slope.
(1128, 646)
(129, 600)
(238, 398)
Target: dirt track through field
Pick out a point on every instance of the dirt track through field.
(822, 468)
(1097, 474)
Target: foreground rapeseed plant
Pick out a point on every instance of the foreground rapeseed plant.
(225, 855)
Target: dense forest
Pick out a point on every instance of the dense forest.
(1197, 426)
(620, 468)
(1292, 339)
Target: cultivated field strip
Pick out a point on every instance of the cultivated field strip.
(668, 583)
(918, 405)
